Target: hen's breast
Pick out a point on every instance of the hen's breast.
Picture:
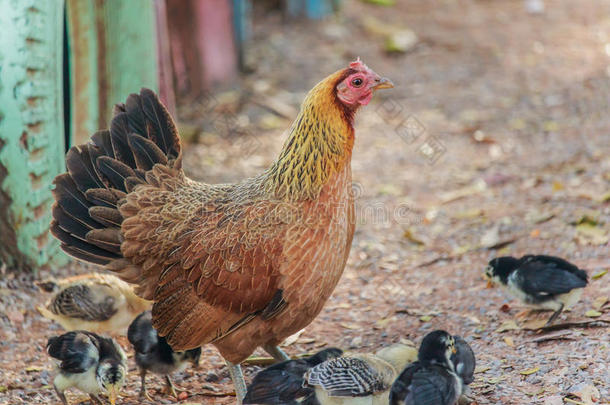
(315, 252)
(315, 249)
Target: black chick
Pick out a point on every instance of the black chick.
(432, 379)
(89, 362)
(543, 282)
(281, 383)
(464, 363)
(154, 354)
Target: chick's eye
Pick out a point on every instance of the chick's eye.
(357, 82)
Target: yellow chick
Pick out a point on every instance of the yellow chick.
(99, 303)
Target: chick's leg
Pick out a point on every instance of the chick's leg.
(277, 353)
(95, 399)
(61, 395)
(238, 381)
(169, 387)
(554, 316)
(143, 391)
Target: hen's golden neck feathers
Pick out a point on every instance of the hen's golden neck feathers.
(319, 144)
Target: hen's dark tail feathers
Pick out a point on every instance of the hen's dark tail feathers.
(100, 174)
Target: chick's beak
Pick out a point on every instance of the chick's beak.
(453, 350)
(383, 83)
(112, 394)
(490, 284)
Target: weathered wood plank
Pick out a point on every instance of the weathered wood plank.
(31, 129)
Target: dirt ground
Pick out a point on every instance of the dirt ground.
(495, 141)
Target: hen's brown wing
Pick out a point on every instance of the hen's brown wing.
(219, 244)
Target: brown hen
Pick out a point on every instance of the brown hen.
(237, 265)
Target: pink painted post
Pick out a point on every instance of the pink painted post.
(215, 40)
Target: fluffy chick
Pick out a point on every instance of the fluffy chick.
(282, 383)
(464, 364)
(542, 282)
(335, 380)
(100, 303)
(432, 379)
(89, 362)
(155, 355)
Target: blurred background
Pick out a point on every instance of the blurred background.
(495, 140)
(477, 82)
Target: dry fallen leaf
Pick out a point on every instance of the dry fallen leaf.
(599, 302)
(558, 186)
(588, 234)
(560, 335)
(381, 2)
(604, 197)
(554, 400)
(491, 237)
(599, 275)
(468, 214)
(292, 338)
(509, 341)
(587, 393)
(382, 323)
(592, 313)
(530, 371)
(409, 234)
(534, 324)
(507, 325)
(481, 369)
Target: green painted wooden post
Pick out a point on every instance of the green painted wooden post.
(131, 48)
(31, 129)
(113, 52)
(85, 99)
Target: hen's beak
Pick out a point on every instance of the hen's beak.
(490, 284)
(383, 83)
(453, 350)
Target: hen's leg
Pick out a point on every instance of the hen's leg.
(554, 316)
(238, 381)
(277, 353)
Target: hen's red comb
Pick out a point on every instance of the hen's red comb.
(358, 65)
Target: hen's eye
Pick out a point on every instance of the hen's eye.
(357, 82)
